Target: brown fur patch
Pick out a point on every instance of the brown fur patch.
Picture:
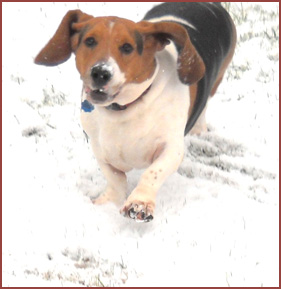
(193, 94)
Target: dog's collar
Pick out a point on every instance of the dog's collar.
(117, 107)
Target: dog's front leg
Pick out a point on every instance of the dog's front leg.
(141, 203)
(116, 185)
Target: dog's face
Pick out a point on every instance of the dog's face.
(110, 54)
(116, 57)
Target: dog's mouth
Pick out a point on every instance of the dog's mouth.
(100, 96)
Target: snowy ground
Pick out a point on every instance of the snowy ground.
(216, 222)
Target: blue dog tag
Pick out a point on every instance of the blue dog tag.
(87, 106)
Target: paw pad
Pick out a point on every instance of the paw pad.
(139, 213)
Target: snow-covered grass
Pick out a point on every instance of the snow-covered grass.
(216, 221)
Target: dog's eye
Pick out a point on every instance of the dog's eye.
(126, 48)
(90, 42)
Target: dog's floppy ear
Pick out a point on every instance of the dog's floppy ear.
(60, 47)
(191, 67)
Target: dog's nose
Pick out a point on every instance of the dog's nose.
(101, 75)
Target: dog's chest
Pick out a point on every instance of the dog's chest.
(129, 144)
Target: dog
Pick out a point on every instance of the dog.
(145, 86)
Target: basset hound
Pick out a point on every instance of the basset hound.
(145, 86)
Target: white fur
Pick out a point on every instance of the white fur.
(118, 76)
(172, 18)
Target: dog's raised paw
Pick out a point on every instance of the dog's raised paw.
(139, 213)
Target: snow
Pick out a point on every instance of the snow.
(216, 220)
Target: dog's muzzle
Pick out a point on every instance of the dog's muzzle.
(101, 74)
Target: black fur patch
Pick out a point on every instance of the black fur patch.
(139, 42)
(211, 38)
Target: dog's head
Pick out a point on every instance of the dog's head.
(114, 53)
